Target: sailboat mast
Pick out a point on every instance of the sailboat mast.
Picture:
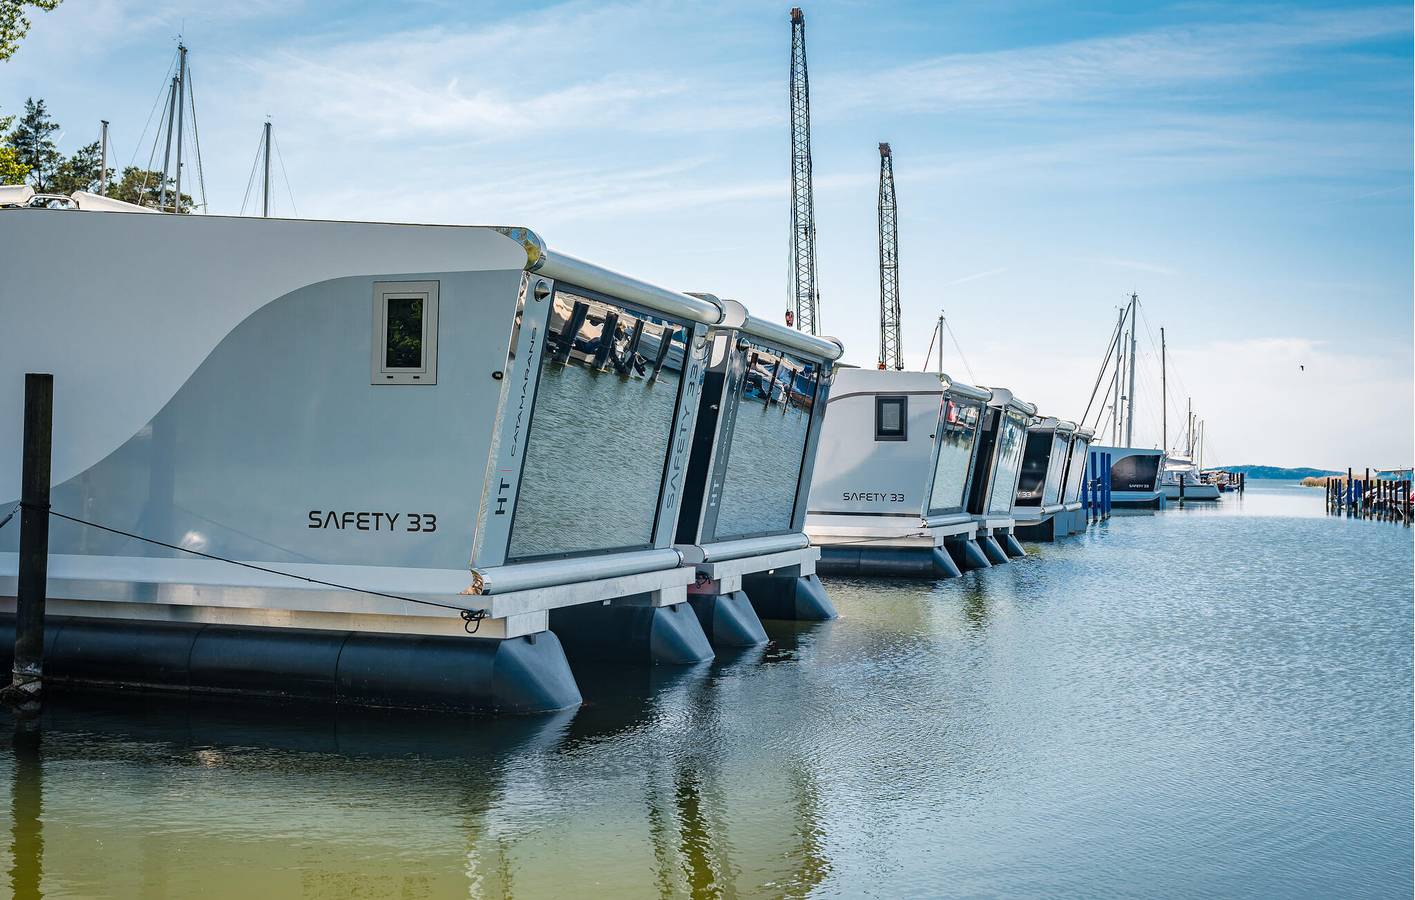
(181, 107)
(940, 342)
(1115, 384)
(1164, 397)
(1189, 430)
(1130, 391)
(167, 152)
(103, 157)
(265, 197)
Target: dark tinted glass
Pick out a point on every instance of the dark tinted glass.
(403, 344)
(891, 414)
(1134, 473)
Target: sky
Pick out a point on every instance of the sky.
(1246, 168)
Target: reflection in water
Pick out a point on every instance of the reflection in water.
(810, 863)
(1239, 727)
(975, 603)
(26, 814)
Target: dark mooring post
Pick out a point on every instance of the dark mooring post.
(569, 331)
(24, 690)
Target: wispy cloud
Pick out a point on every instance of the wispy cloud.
(976, 276)
(1132, 264)
(1110, 67)
(543, 73)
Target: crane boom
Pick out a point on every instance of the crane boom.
(805, 298)
(890, 352)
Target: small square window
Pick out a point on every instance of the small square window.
(891, 418)
(404, 332)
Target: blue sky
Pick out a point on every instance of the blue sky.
(1247, 168)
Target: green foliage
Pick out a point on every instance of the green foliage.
(33, 142)
(145, 188)
(79, 172)
(12, 171)
(14, 24)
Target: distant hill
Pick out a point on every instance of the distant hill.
(1279, 472)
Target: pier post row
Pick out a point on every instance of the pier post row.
(996, 471)
(893, 474)
(1042, 511)
(415, 442)
(742, 521)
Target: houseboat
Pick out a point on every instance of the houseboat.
(1075, 493)
(892, 475)
(1135, 476)
(1040, 510)
(997, 467)
(346, 461)
(742, 521)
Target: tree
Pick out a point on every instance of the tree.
(79, 172)
(14, 24)
(12, 171)
(145, 188)
(33, 142)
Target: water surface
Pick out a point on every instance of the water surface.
(1213, 701)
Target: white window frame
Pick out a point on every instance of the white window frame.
(383, 291)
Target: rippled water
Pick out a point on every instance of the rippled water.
(1207, 702)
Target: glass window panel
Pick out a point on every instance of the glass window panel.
(958, 433)
(1031, 479)
(891, 417)
(599, 431)
(1009, 462)
(1054, 469)
(768, 445)
(403, 340)
(1075, 470)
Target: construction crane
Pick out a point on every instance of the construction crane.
(891, 355)
(805, 299)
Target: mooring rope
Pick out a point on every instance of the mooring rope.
(471, 618)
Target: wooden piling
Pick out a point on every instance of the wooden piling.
(569, 330)
(771, 386)
(28, 669)
(626, 362)
(606, 339)
(665, 343)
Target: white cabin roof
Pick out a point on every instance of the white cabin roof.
(851, 380)
(1002, 398)
(1052, 423)
(736, 316)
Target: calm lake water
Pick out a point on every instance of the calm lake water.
(1213, 701)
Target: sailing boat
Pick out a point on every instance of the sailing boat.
(1134, 471)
